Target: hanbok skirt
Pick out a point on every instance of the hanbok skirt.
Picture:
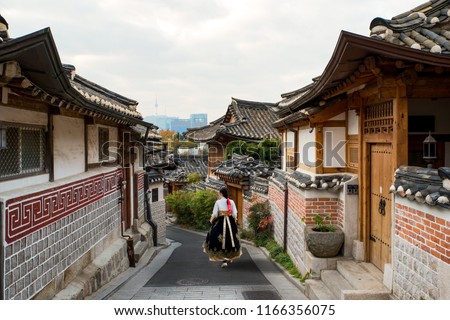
(222, 241)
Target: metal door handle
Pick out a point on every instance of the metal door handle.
(381, 207)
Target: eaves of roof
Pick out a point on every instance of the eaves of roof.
(350, 51)
(39, 60)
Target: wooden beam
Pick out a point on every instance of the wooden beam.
(334, 123)
(319, 149)
(330, 112)
(400, 134)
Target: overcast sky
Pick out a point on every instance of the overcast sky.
(194, 55)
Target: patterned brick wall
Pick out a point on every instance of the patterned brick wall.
(39, 257)
(141, 195)
(421, 244)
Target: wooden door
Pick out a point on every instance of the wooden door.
(381, 178)
(236, 194)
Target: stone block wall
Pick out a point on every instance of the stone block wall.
(158, 210)
(48, 231)
(421, 253)
(302, 204)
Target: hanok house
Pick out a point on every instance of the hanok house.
(239, 175)
(71, 176)
(368, 117)
(244, 120)
(179, 178)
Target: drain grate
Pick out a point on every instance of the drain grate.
(192, 282)
(261, 295)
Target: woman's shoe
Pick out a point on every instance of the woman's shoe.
(224, 265)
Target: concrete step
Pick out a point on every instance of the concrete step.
(139, 250)
(317, 290)
(335, 282)
(364, 280)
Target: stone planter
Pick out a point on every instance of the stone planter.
(324, 244)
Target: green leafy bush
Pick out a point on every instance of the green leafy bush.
(201, 205)
(192, 209)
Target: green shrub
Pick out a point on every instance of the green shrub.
(201, 206)
(194, 178)
(192, 209)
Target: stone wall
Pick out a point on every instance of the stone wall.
(421, 253)
(158, 210)
(48, 231)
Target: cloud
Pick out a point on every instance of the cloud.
(194, 55)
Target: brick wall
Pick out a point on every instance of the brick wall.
(421, 253)
(301, 204)
(38, 258)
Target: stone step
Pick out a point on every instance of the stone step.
(335, 282)
(357, 276)
(139, 250)
(364, 279)
(317, 290)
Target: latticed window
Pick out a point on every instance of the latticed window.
(22, 152)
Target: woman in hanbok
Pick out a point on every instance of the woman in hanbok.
(222, 242)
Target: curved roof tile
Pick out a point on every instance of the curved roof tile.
(425, 27)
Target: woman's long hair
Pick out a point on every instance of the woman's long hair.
(224, 192)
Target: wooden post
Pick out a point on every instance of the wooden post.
(400, 134)
(319, 148)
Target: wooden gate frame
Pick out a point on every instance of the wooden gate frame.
(399, 140)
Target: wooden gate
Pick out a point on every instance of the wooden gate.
(381, 176)
(236, 194)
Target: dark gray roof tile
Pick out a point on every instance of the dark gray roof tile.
(424, 27)
(423, 185)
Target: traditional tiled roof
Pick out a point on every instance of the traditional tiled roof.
(240, 166)
(44, 77)
(305, 181)
(154, 177)
(205, 133)
(185, 168)
(425, 27)
(244, 120)
(142, 131)
(211, 183)
(100, 95)
(430, 186)
(249, 120)
(259, 185)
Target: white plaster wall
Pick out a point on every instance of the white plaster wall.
(307, 146)
(337, 136)
(8, 114)
(93, 143)
(23, 183)
(353, 122)
(68, 146)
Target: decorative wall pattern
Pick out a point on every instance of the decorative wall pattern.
(26, 214)
(140, 180)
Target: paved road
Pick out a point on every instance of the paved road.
(182, 271)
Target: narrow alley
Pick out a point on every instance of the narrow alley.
(181, 271)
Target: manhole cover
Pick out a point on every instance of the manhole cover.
(192, 282)
(261, 295)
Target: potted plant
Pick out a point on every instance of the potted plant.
(324, 240)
